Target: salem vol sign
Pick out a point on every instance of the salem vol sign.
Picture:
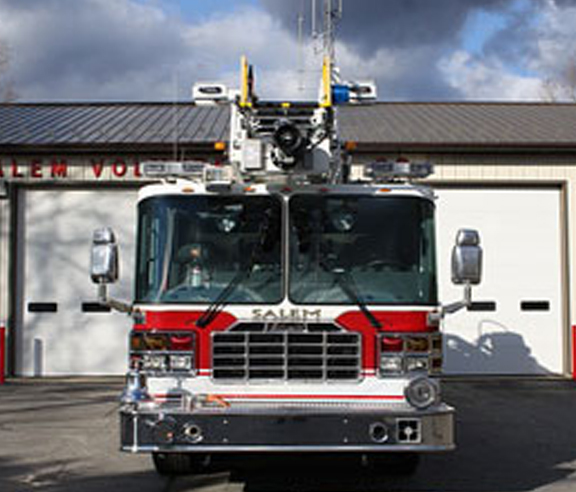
(52, 169)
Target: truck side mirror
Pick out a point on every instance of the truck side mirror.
(104, 257)
(467, 258)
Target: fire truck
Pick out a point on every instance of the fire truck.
(286, 301)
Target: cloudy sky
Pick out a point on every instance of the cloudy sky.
(155, 49)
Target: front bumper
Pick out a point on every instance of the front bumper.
(288, 430)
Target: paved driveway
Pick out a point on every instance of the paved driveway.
(512, 436)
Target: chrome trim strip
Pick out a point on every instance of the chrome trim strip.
(290, 449)
(387, 410)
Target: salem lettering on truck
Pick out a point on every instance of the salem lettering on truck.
(281, 306)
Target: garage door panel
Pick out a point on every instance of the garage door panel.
(522, 241)
(56, 232)
(521, 237)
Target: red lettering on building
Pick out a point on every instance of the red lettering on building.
(59, 169)
(137, 171)
(36, 169)
(16, 173)
(97, 168)
(119, 169)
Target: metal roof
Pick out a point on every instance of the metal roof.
(462, 124)
(377, 126)
(111, 125)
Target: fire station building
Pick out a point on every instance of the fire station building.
(508, 170)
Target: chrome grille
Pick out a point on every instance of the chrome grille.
(286, 356)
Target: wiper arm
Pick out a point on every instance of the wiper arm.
(220, 302)
(346, 282)
(216, 307)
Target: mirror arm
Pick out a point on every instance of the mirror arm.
(119, 306)
(457, 306)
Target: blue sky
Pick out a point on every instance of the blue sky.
(418, 50)
(480, 27)
(200, 9)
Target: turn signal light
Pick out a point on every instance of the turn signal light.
(391, 344)
(417, 344)
(162, 352)
(161, 342)
(402, 353)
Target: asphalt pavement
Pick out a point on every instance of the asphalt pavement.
(513, 435)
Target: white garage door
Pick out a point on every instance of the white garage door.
(60, 328)
(516, 325)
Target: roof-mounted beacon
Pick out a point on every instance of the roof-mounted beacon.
(399, 170)
(364, 91)
(209, 93)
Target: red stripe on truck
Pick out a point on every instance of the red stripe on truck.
(236, 396)
(391, 321)
(353, 321)
(186, 321)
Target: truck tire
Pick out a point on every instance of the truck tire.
(397, 464)
(174, 464)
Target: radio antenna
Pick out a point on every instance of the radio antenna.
(301, 49)
(175, 118)
(314, 15)
(333, 10)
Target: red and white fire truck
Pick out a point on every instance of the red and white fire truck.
(284, 304)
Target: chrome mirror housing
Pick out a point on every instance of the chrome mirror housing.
(104, 257)
(467, 258)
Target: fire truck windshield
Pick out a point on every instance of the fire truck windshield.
(379, 250)
(193, 248)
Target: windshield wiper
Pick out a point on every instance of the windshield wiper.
(346, 282)
(220, 302)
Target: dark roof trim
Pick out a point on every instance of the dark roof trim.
(464, 148)
(190, 150)
(207, 149)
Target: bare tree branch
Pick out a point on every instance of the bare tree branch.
(563, 87)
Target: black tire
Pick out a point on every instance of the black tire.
(397, 464)
(175, 464)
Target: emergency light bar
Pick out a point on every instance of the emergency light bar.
(400, 169)
(193, 170)
(164, 169)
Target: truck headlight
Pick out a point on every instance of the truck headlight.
(417, 364)
(180, 362)
(422, 393)
(154, 362)
(391, 364)
(163, 351)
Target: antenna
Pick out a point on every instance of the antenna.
(314, 15)
(333, 10)
(175, 120)
(176, 116)
(301, 49)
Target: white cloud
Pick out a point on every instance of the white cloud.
(555, 44)
(544, 48)
(131, 50)
(216, 46)
(89, 50)
(488, 79)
